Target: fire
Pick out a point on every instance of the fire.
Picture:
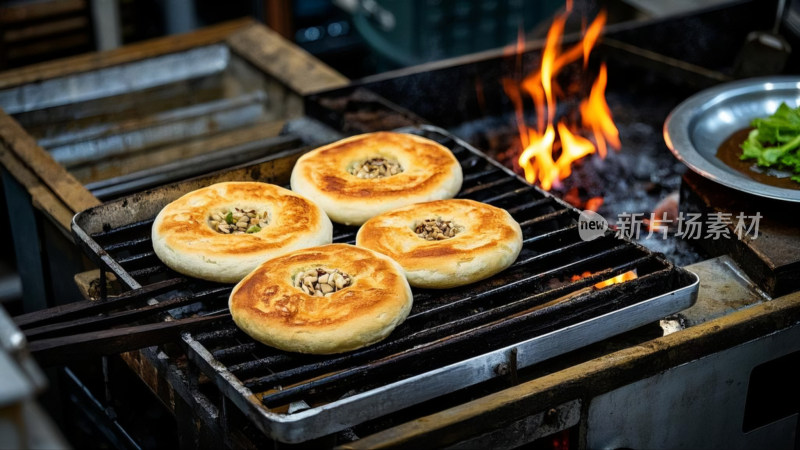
(574, 198)
(621, 278)
(594, 204)
(541, 143)
(573, 148)
(596, 115)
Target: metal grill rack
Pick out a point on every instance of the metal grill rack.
(452, 338)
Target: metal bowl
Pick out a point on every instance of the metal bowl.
(696, 128)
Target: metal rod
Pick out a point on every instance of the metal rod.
(123, 228)
(127, 316)
(87, 307)
(77, 347)
(127, 244)
(492, 184)
(137, 257)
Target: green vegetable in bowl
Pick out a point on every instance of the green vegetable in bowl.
(775, 141)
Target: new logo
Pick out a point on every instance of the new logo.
(591, 225)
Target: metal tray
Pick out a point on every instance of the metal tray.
(696, 128)
(370, 404)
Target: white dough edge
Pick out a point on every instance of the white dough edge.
(231, 268)
(358, 211)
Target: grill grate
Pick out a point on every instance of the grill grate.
(452, 338)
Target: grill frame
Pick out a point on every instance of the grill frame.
(351, 410)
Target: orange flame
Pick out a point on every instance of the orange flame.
(621, 278)
(594, 204)
(573, 148)
(597, 116)
(592, 35)
(537, 158)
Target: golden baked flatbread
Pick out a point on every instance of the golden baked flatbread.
(362, 176)
(366, 297)
(190, 234)
(445, 243)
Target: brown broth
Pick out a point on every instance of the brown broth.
(729, 153)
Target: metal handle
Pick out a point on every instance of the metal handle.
(781, 11)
